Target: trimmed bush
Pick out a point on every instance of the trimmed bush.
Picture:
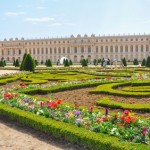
(135, 62)
(148, 62)
(106, 102)
(28, 64)
(143, 62)
(66, 63)
(17, 63)
(68, 132)
(22, 63)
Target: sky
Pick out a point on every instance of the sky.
(62, 18)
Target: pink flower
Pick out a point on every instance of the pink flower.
(144, 131)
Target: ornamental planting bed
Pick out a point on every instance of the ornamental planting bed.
(77, 124)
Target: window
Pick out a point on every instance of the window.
(75, 49)
(116, 48)
(38, 51)
(101, 48)
(64, 50)
(107, 49)
(96, 49)
(131, 48)
(121, 48)
(147, 48)
(126, 48)
(141, 48)
(82, 49)
(136, 48)
(50, 50)
(59, 50)
(55, 50)
(46, 50)
(111, 48)
(68, 50)
(89, 49)
(42, 51)
(33, 50)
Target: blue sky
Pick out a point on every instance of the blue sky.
(61, 18)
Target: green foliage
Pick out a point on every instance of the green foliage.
(71, 133)
(102, 61)
(36, 62)
(17, 63)
(99, 60)
(84, 63)
(42, 61)
(95, 62)
(49, 63)
(2, 63)
(66, 63)
(70, 62)
(124, 61)
(148, 62)
(5, 63)
(135, 62)
(22, 63)
(143, 62)
(28, 64)
(14, 63)
(111, 89)
(106, 102)
(87, 61)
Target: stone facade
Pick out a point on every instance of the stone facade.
(77, 48)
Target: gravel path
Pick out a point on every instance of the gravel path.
(14, 136)
(7, 71)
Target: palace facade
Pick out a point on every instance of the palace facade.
(77, 48)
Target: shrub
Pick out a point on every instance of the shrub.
(143, 62)
(49, 63)
(28, 64)
(70, 62)
(84, 63)
(66, 63)
(148, 62)
(135, 62)
(14, 63)
(22, 63)
(124, 61)
(17, 63)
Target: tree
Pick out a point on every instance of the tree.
(143, 62)
(148, 62)
(99, 60)
(70, 62)
(135, 62)
(14, 63)
(17, 63)
(102, 61)
(28, 63)
(66, 63)
(124, 61)
(84, 63)
(1, 63)
(49, 63)
(87, 61)
(36, 62)
(95, 62)
(42, 61)
(22, 63)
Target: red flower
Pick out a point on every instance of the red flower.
(59, 101)
(23, 85)
(76, 105)
(127, 119)
(144, 131)
(49, 104)
(91, 109)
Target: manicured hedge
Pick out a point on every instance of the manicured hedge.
(9, 79)
(68, 132)
(111, 89)
(106, 102)
(62, 88)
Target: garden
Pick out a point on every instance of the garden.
(89, 106)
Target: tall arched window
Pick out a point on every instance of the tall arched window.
(75, 49)
(59, 50)
(82, 49)
(89, 49)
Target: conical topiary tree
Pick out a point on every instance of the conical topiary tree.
(49, 63)
(17, 63)
(143, 62)
(95, 62)
(135, 62)
(22, 63)
(84, 63)
(66, 63)
(148, 62)
(5, 63)
(46, 63)
(29, 64)
(70, 62)
(124, 61)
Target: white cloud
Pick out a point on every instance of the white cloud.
(36, 20)
(40, 7)
(62, 24)
(11, 14)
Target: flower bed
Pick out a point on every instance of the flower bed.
(125, 127)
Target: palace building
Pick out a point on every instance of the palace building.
(77, 48)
